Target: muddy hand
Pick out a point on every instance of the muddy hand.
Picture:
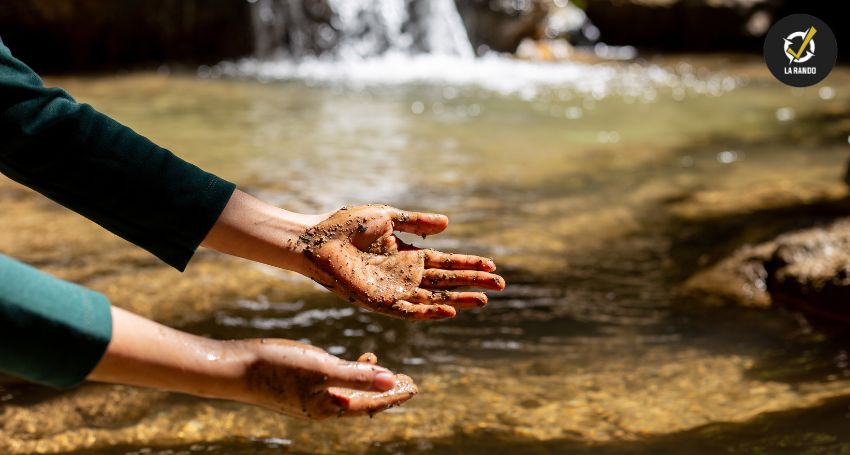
(305, 381)
(360, 258)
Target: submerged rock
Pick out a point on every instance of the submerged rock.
(808, 270)
(664, 391)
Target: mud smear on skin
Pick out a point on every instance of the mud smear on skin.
(305, 394)
(399, 277)
(379, 277)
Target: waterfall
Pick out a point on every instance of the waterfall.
(364, 43)
(359, 29)
(446, 32)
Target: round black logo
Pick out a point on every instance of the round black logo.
(800, 50)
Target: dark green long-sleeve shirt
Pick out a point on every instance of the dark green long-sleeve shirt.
(51, 331)
(103, 170)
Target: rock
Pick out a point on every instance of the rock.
(706, 25)
(502, 26)
(807, 270)
(568, 22)
(301, 27)
(684, 24)
(740, 279)
(544, 50)
(499, 25)
(810, 271)
(60, 35)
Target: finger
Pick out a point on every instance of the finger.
(459, 300)
(407, 310)
(450, 261)
(368, 357)
(419, 223)
(355, 404)
(360, 376)
(442, 279)
(359, 405)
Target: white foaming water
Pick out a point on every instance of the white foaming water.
(373, 27)
(493, 72)
(447, 34)
(395, 42)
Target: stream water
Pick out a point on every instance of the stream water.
(597, 201)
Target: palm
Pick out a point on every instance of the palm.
(367, 264)
(304, 381)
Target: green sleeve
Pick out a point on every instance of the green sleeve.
(103, 170)
(51, 331)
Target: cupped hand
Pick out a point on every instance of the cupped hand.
(359, 257)
(304, 381)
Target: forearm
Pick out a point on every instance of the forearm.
(283, 375)
(145, 353)
(103, 170)
(252, 229)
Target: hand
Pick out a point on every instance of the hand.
(359, 257)
(286, 376)
(304, 381)
(354, 253)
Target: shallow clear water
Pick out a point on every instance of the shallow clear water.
(596, 208)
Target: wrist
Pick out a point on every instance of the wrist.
(147, 354)
(232, 382)
(283, 238)
(258, 231)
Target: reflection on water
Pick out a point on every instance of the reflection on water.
(595, 208)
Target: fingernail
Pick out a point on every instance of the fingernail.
(384, 381)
